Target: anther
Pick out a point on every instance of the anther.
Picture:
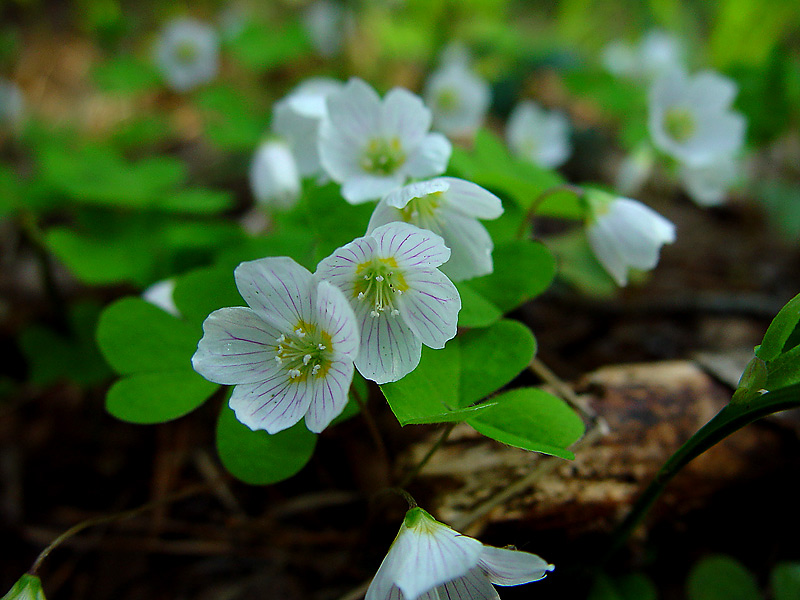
(315, 369)
(306, 358)
(360, 295)
(300, 333)
(373, 313)
(395, 312)
(320, 346)
(379, 278)
(293, 373)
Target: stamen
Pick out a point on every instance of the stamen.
(320, 346)
(395, 312)
(294, 373)
(278, 359)
(306, 358)
(373, 313)
(360, 295)
(300, 333)
(281, 339)
(379, 278)
(315, 369)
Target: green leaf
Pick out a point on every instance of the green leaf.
(629, 587)
(721, 578)
(476, 311)
(10, 190)
(429, 394)
(27, 588)
(578, 266)
(147, 398)
(259, 458)
(522, 270)
(531, 419)
(784, 370)
(785, 581)
(136, 337)
(201, 201)
(779, 331)
(232, 120)
(492, 357)
(126, 74)
(201, 292)
(334, 221)
(261, 47)
(74, 357)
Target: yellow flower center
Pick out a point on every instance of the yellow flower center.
(447, 100)
(186, 52)
(378, 283)
(382, 156)
(305, 352)
(680, 124)
(422, 211)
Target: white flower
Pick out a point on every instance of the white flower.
(708, 184)
(655, 53)
(324, 22)
(619, 58)
(430, 561)
(160, 294)
(625, 234)
(372, 147)
(274, 179)
(458, 98)
(690, 117)
(537, 135)
(450, 208)
(12, 105)
(187, 51)
(290, 354)
(401, 300)
(297, 118)
(634, 170)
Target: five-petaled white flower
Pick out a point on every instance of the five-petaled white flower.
(625, 234)
(274, 179)
(290, 354)
(297, 117)
(372, 147)
(451, 208)
(187, 52)
(430, 561)
(401, 300)
(690, 117)
(708, 184)
(537, 135)
(458, 98)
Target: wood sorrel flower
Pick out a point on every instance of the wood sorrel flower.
(690, 117)
(372, 146)
(458, 98)
(297, 118)
(274, 179)
(625, 234)
(708, 184)
(187, 51)
(537, 135)
(451, 208)
(290, 354)
(401, 300)
(430, 561)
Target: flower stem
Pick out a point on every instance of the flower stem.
(412, 474)
(539, 200)
(372, 426)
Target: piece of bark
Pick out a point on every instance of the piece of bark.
(650, 409)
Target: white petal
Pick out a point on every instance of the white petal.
(336, 317)
(361, 188)
(458, 98)
(237, 346)
(472, 586)
(400, 197)
(273, 405)
(404, 115)
(355, 109)
(430, 306)
(340, 267)
(470, 247)
(389, 349)
(301, 132)
(340, 152)
(410, 246)
(382, 215)
(382, 586)
(160, 294)
(512, 567)
(274, 178)
(708, 184)
(430, 158)
(711, 89)
(432, 555)
(329, 395)
(602, 241)
(278, 289)
(471, 199)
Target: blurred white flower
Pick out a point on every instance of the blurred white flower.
(430, 561)
(297, 119)
(708, 184)
(538, 135)
(690, 117)
(160, 294)
(12, 105)
(655, 53)
(625, 234)
(324, 22)
(400, 298)
(458, 98)
(187, 52)
(634, 170)
(451, 208)
(372, 146)
(620, 59)
(274, 178)
(290, 354)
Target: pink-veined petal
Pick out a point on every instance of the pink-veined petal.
(471, 199)
(472, 586)
(383, 214)
(329, 395)
(430, 158)
(382, 586)
(512, 567)
(336, 317)
(277, 289)
(404, 115)
(402, 196)
(273, 405)
(237, 346)
(410, 246)
(430, 306)
(340, 267)
(389, 349)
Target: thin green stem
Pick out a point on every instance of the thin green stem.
(412, 474)
(729, 420)
(539, 200)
